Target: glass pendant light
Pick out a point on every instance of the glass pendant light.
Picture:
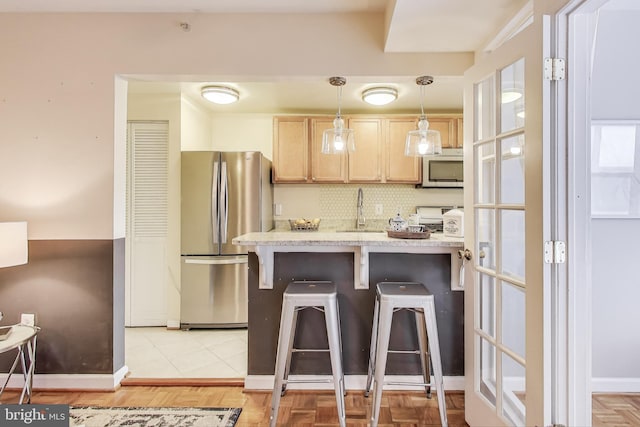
(338, 140)
(424, 141)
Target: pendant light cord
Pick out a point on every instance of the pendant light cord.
(422, 102)
(339, 99)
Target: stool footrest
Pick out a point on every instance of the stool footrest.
(307, 381)
(310, 350)
(429, 384)
(404, 351)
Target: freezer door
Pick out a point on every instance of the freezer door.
(199, 203)
(213, 292)
(241, 195)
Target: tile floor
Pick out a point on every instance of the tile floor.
(199, 353)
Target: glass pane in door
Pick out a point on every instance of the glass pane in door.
(485, 181)
(512, 170)
(513, 318)
(513, 390)
(485, 237)
(487, 295)
(484, 123)
(512, 96)
(488, 370)
(512, 247)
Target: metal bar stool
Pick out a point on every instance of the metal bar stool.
(391, 297)
(300, 295)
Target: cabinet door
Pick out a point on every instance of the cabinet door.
(290, 149)
(447, 128)
(460, 141)
(325, 167)
(365, 164)
(401, 168)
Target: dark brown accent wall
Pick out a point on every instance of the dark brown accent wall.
(71, 286)
(356, 312)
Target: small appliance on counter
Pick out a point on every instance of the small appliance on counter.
(431, 217)
(453, 223)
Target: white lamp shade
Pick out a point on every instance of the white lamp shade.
(14, 246)
(336, 142)
(423, 142)
(338, 139)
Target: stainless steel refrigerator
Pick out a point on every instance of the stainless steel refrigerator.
(224, 195)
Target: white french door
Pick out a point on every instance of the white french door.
(507, 335)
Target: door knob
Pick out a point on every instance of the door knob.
(466, 254)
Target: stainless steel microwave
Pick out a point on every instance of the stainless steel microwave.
(443, 171)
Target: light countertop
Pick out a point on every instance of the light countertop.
(320, 238)
(360, 243)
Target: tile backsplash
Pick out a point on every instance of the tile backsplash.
(335, 204)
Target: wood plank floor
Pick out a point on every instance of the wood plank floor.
(297, 408)
(616, 410)
(305, 408)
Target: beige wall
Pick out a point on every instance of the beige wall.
(63, 102)
(57, 115)
(252, 132)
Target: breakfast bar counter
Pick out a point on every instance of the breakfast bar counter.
(359, 243)
(355, 262)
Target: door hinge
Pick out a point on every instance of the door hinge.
(555, 252)
(554, 69)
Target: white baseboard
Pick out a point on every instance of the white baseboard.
(69, 381)
(352, 382)
(615, 385)
(173, 324)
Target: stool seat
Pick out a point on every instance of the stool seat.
(391, 297)
(300, 295)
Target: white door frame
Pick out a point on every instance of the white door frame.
(576, 32)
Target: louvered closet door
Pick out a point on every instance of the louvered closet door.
(147, 213)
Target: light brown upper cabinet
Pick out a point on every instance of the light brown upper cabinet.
(401, 168)
(448, 128)
(325, 167)
(365, 163)
(379, 155)
(460, 132)
(297, 141)
(290, 149)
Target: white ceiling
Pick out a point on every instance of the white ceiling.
(412, 26)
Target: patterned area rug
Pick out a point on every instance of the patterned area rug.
(153, 417)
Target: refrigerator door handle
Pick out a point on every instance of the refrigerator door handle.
(224, 203)
(238, 260)
(215, 218)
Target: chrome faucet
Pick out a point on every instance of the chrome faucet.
(360, 221)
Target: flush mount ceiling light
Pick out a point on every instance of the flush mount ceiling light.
(510, 94)
(424, 141)
(338, 140)
(220, 94)
(379, 95)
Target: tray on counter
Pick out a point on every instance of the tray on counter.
(409, 234)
